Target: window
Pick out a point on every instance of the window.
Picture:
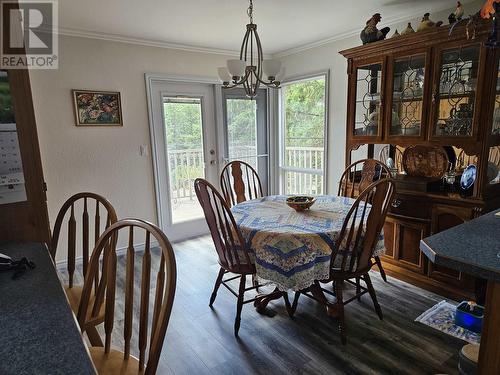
(302, 136)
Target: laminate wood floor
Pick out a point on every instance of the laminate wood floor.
(200, 340)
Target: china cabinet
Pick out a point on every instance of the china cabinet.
(430, 102)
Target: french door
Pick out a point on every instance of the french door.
(184, 145)
(245, 131)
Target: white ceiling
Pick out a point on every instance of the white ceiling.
(220, 24)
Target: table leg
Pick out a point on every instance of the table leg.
(489, 350)
(332, 309)
(262, 300)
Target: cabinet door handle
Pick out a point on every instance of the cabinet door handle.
(396, 203)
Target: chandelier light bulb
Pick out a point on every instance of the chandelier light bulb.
(271, 68)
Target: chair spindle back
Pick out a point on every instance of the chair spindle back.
(361, 229)
(361, 174)
(90, 201)
(164, 290)
(231, 249)
(239, 182)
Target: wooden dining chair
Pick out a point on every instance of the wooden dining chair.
(239, 182)
(90, 204)
(356, 178)
(232, 251)
(351, 256)
(113, 361)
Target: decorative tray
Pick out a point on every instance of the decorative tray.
(426, 161)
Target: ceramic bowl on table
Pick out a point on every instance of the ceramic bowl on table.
(300, 202)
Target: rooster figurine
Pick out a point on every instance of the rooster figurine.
(426, 23)
(488, 8)
(459, 12)
(370, 33)
(492, 8)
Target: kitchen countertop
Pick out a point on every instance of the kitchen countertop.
(38, 331)
(472, 247)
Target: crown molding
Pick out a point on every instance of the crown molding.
(144, 42)
(233, 53)
(351, 33)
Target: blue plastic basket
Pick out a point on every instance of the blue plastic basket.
(469, 319)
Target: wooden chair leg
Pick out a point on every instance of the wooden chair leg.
(340, 306)
(255, 282)
(371, 290)
(291, 308)
(239, 306)
(358, 288)
(295, 303)
(94, 337)
(381, 269)
(216, 286)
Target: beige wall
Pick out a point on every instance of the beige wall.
(104, 160)
(327, 57)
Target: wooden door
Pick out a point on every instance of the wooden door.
(445, 217)
(408, 95)
(458, 80)
(402, 241)
(23, 207)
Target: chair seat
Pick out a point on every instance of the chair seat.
(74, 295)
(113, 363)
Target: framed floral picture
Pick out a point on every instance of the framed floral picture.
(97, 108)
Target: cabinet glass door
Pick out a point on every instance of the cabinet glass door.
(456, 92)
(495, 127)
(368, 113)
(407, 96)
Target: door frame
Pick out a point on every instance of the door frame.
(162, 209)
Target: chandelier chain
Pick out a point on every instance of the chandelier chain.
(250, 11)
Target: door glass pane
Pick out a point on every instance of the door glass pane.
(246, 136)
(303, 136)
(242, 130)
(457, 92)
(407, 93)
(495, 127)
(183, 128)
(368, 101)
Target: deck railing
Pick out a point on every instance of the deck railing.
(186, 165)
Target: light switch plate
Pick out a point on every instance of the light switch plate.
(143, 150)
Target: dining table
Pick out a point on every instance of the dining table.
(292, 249)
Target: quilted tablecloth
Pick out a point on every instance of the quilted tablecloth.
(292, 249)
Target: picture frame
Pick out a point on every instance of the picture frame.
(97, 108)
